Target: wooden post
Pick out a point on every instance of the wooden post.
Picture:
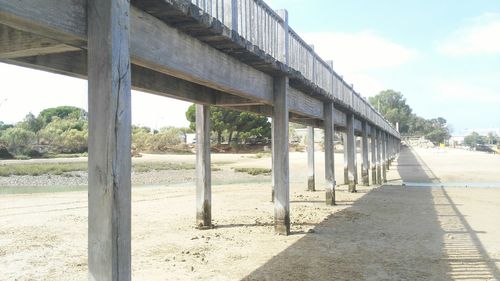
(230, 14)
(355, 159)
(280, 157)
(109, 165)
(379, 156)
(272, 159)
(329, 153)
(351, 152)
(384, 157)
(203, 170)
(373, 153)
(365, 165)
(346, 169)
(310, 159)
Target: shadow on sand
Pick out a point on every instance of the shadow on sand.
(382, 237)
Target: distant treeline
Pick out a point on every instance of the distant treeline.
(392, 105)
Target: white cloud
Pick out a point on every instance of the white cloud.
(479, 36)
(354, 55)
(460, 90)
(359, 51)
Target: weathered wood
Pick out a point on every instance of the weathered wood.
(203, 170)
(351, 153)
(303, 104)
(346, 155)
(379, 156)
(384, 157)
(109, 167)
(272, 159)
(373, 144)
(16, 43)
(218, 62)
(365, 166)
(281, 157)
(329, 154)
(310, 159)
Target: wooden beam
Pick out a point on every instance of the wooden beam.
(203, 170)
(109, 223)
(16, 43)
(143, 79)
(310, 159)
(153, 45)
(281, 157)
(329, 154)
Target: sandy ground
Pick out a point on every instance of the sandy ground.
(379, 233)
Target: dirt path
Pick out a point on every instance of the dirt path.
(387, 233)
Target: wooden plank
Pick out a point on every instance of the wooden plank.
(329, 154)
(203, 170)
(281, 158)
(365, 165)
(351, 153)
(310, 159)
(16, 43)
(109, 223)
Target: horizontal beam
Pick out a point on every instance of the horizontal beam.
(16, 43)
(153, 45)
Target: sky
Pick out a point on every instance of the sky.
(443, 56)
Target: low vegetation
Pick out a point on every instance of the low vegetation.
(253, 171)
(63, 168)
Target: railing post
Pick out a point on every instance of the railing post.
(230, 14)
(283, 40)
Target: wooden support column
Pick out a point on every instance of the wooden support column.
(351, 152)
(364, 151)
(346, 169)
(384, 157)
(373, 145)
(310, 159)
(329, 153)
(355, 160)
(203, 170)
(379, 156)
(109, 165)
(280, 157)
(272, 159)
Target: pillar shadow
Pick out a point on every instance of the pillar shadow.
(391, 233)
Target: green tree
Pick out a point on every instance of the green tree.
(231, 122)
(393, 107)
(474, 139)
(17, 139)
(62, 112)
(33, 124)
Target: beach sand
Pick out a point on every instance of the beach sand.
(380, 233)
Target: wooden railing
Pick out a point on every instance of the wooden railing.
(267, 29)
